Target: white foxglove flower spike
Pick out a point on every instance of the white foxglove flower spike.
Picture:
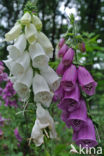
(8, 62)
(13, 33)
(18, 48)
(41, 91)
(37, 134)
(37, 22)
(45, 43)
(22, 85)
(26, 19)
(20, 65)
(38, 56)
(45, 120)
(31, 33)
(51, 77)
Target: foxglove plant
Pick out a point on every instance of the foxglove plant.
(76, 82)
(33, 79)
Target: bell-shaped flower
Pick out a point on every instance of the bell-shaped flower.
(45, 120)
(78, 117)
(45, 43)
(64, 117)
(51, 77)
(13, 33)
(26, 19)
(37, 134)
(8, 62)
(17, 49)
(70, 101)
(86, 81)
(20, 65)
(62, 40)
(62, 50)
(22, 85)
(86, 136)
(37, 22)
(68, 57)
(31, 33)
(41, 91)
(58, 94)
(38, 56)
(61, 69)
(69, 78)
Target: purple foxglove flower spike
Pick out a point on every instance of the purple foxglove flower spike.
(78, 117)
(58, 94)
(61, 69)
(64, 117)
(68, 57)
(86, 135)
(63, 50)
(69, 78)
(62, 40)
(70, 102)
(86, 81)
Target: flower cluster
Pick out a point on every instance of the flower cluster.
(28, 64)
(75, 80)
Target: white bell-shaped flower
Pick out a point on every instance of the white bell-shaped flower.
(31, 33)
(38, 56)
(21, 65)
(45, 43)
(17, 49)
(13, 33)
(37, 134)
(8, 62)
(41, 91)
(45, 120)
(37, 22)
(22, 85)
(26, 19)
(51, 77)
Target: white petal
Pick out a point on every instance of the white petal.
(37, 22)
(13, 33)
(8, 62)
(26, 19)
(45, 43)
(37, 134)
(21, 65)
(31, 33)
(38, 56)
(51, 77)
(41, 91)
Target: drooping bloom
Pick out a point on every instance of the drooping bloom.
(61, 69)
(68, 57)
(41, 91)
(38, 56)
(17, 49)
(64, 117)
(86, 81)
(58, 94)
(70, 101)
(78, 117)
(13, 33)
(26, 19)
(8, 62)
(62, 50)
(18, 137)
(37, 22)
(22, 85)
(19, 66)
(62, 40)
(45, 43)
(86, 135)
(69, 78)
(51, 77)
(31, 33)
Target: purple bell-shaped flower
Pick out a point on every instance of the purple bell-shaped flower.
(62, 40)
(58, 94)
(86, 81)
(61, 69)
(64, 117)
(69, 78)
(63, 50)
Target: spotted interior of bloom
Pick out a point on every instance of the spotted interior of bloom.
(40, 60)
(86, 142)
(76, 124)
(90, 88)
(67, 85)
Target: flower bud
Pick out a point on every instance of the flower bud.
(37, 22)
(62, 40)
(62, 50)
(26, 19)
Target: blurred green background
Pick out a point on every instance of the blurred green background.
(90, 18)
